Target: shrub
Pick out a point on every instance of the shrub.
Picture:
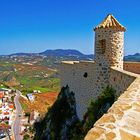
(98, 107)
(64, 109)
(26, 137)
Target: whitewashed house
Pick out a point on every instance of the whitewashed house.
(30, 97)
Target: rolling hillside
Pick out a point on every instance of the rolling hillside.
(27, 77)
(28, 71)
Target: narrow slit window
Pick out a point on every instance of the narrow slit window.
(102, 46)
(85, 75)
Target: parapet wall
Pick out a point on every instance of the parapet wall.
(122, 121)
(120, 80)
(80, 77)
(132, 67)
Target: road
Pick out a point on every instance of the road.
(17, 123)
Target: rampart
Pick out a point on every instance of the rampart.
(80, 77)
(120, 80)
(122, 121)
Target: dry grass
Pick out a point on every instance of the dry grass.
(42, 102)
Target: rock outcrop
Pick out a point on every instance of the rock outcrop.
(59, 118)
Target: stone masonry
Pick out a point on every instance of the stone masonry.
(87, 79)
(122, 121)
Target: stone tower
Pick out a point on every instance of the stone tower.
(109, 45)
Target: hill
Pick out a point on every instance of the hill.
(29, 71)
(134, 58)
(69, 54)
(66, 53)
(28, 77)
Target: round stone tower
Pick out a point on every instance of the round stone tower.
(109, 46)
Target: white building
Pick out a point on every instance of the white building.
(30, 97)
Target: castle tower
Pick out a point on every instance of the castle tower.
(109, 46)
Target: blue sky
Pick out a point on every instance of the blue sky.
(38, 25)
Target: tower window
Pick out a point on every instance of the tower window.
(85, 75)
(102, 46)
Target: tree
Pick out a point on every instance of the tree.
(26, 137)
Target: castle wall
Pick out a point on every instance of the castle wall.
(74, 75)
(122, 121)
(87, 80)
(121, 80)
(132, 67)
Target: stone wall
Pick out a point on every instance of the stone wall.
(83, 80)
(109, 45)
(120, 80)
(122, 121)
(80, 77)
(132, 67)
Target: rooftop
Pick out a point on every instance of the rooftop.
(110, 22)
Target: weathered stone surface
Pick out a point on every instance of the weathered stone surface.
(110, 136)
(95, 133)
(106, 118)
(127, 127)
(128, 136)
(122, 122)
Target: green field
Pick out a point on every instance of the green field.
(27, 78)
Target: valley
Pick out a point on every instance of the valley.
(37, 77)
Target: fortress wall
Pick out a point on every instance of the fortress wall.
(121, 80)
(122, 121)
(73, 75)
(132, 67)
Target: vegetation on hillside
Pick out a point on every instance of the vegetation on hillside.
(59, 117)
(28, 74)
(42, 102)
(95, 111)
(27, 78)
(61, 121)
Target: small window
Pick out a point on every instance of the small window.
(85, 75)
(102, 46)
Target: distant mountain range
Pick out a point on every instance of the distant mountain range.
(59, 53)
(135, 57)
(73, 55)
